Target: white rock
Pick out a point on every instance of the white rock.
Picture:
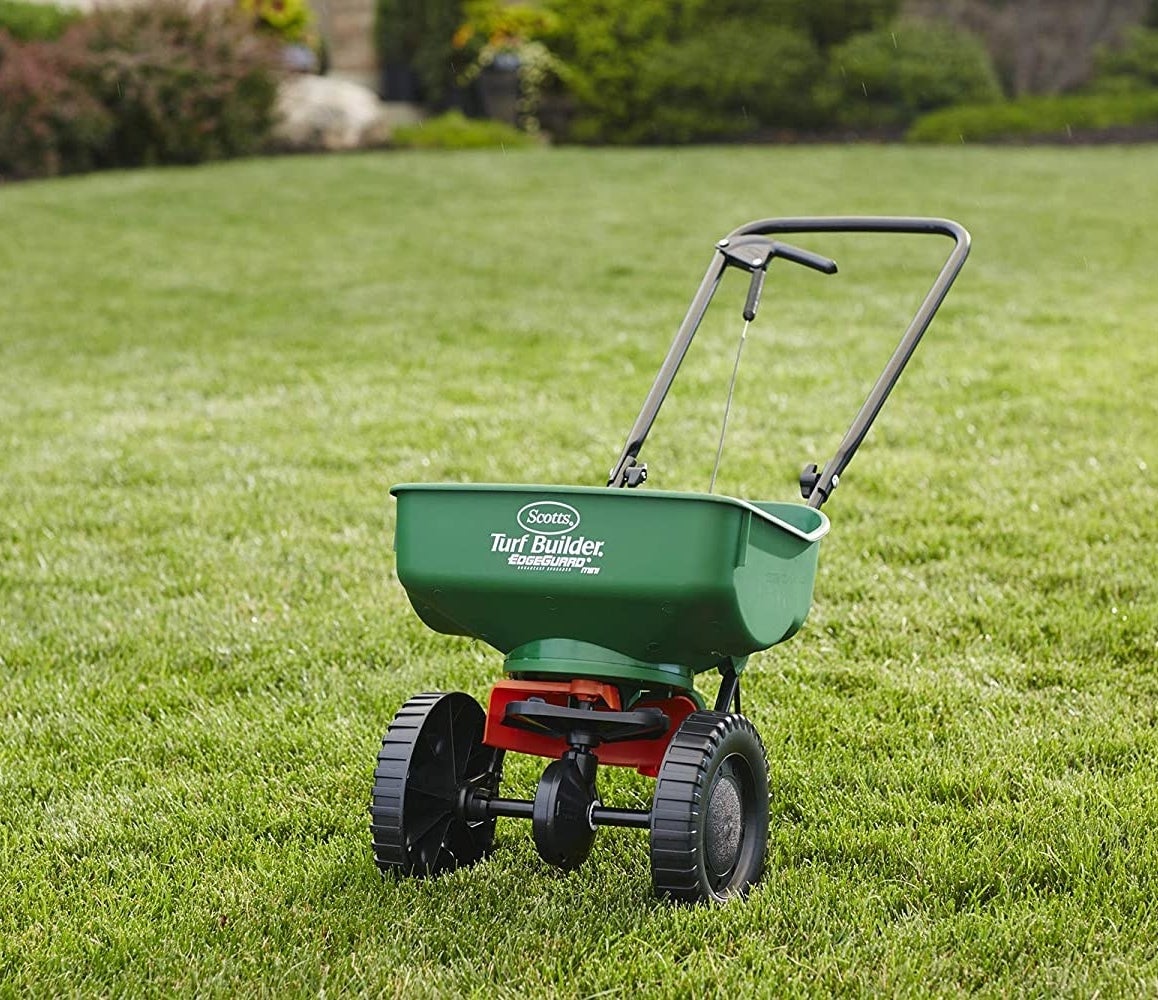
(324, 113)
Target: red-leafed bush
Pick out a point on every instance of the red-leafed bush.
(49, 123)
(161, 82)
(183, 84)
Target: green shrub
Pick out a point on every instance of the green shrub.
(49, 123)
(889, 76)
(184, 84)
(1133, 66)
(729, 80)
(32, 22)
(670, 70)
(603, 46)
(1037, 117)
(829, 22)
(673, 70)
(454, 130)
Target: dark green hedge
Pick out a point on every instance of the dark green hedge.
(679, 70)
(830, 22)
(730, 80)
(604, 47)
(1037, 117)
(891, 75)
(1130, 66)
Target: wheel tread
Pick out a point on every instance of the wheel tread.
(393, 849)
(677, 810)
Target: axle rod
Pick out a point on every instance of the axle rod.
(516, 808)
(640, 819)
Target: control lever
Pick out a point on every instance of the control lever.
(755, 253)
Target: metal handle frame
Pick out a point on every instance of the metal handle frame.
(627, 473)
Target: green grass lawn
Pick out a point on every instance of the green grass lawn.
(209, 379)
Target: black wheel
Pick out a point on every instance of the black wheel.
(561, 821)
(709, 818)
(431, 754)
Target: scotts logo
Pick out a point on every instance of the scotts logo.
(549, 542)
(548, 517)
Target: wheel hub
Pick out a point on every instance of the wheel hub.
(725, 826)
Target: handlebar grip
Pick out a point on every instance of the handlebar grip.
(826, 265)
(755, 287)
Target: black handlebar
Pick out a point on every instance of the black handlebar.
(815, 261)
(749, 249)
(754, 253)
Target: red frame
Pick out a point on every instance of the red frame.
(644, 755)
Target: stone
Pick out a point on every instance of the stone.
(324, 113)
(348, 28)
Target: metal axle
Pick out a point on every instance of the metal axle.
(478, 807)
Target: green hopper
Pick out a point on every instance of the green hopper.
(640, 587)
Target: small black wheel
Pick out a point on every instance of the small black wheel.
(561, 821)
(431, 755)
(709, 817)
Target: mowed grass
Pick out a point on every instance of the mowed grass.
(210, 378)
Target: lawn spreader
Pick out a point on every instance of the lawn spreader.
(607, 603)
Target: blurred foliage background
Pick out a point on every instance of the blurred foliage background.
(172, 82)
